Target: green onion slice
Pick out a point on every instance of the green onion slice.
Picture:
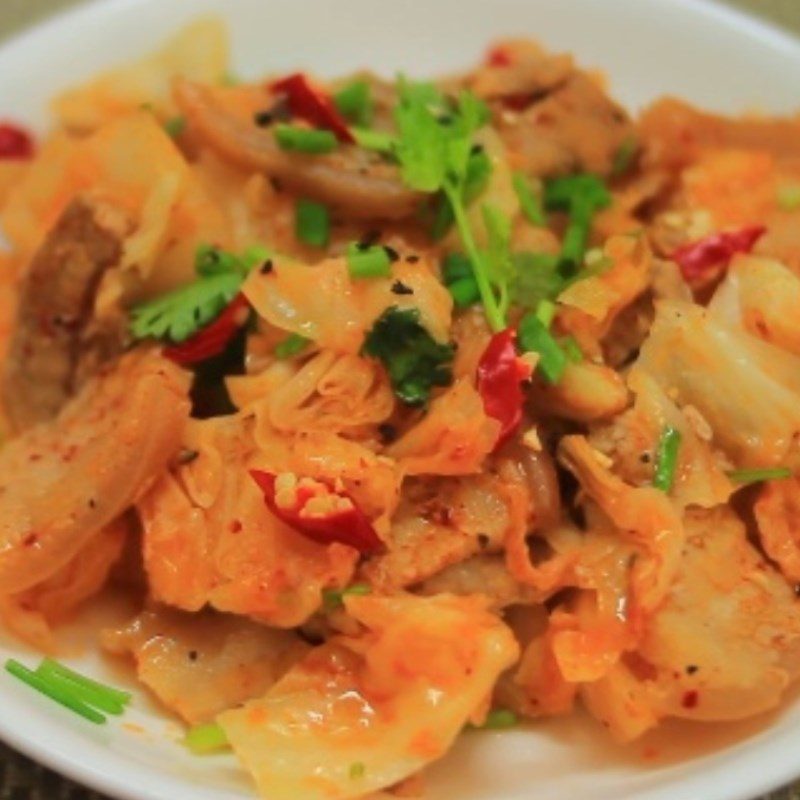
(175, 126)
(498, 719)
(291, 346)
(93, 694)
(334, 598)
(50, 667)
(57, 691)
(354, 101)
(534, 337)
(304, 140)
(204, 739)
(789, 197)
(368, 262)
(465, 292)
(757, 475)
(667, 458)
(312, 223)
(529, 202)
(357, 770)
(546, 312)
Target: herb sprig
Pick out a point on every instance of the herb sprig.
(177, 315)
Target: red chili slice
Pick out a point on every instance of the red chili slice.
(351, 527)
(499, 378)
(698, 258)
(214, 338)
(313, 106)
(15, 143)
(498, 57)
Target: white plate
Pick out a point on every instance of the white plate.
(708, 54)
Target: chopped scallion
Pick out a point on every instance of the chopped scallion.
(175, 126)
(789, 197)
(334, 598)
(354, 101)
(57, 691)
(312, 223)
(667, 459)
(368, 262)
(623, 158)
(204, 739)
(357, 770)
(305, 140)
(534, 337)
(94, 694)
(546, 312)
(757, 475)
(529, 202)
(499, 719)
(572, 350)
(465, 292)
(51, 667)
(291, 346)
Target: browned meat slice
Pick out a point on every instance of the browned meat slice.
(55, 304)
(64, 480)
(576, 127)
(353, 181)
(674, 132)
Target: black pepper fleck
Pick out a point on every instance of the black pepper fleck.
(371, 237)
(691, 669)
(186, 456)
(266, 267)
(398, 287)
(193, 655)
(392, 253)
(387, 432)
(412, 259)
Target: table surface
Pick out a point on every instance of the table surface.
(20, 778)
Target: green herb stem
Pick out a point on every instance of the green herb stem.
(305, 140)
(368, 262)
(494, 315)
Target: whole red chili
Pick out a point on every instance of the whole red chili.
(499, 378)
(313, 106)
(15, 142)
(214, 338)
(350, 526)
(716, 251)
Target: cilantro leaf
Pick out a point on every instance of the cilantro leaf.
(179, 314)
(415, 361)
(434, 146)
